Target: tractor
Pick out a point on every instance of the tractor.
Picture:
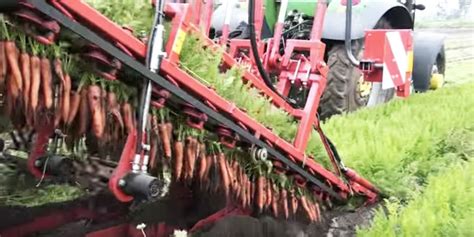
(346, 89)
(213, 113)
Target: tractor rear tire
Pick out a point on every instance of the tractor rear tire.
(343, 92)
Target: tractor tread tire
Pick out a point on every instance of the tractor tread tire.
(340, 95)
(333, 100)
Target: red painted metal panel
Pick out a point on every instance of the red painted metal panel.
(380, 52)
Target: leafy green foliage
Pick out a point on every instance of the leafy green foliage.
(137, 14)
(393, 145)
(204, 63)
(446, 208)
(45, 195)
(19, 189)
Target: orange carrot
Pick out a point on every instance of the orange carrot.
(3, 64)
(75, 104)
(178, 159)
(188, 156)
(128, 117)
(224, 175)
(293, 202)
(215, 170)
(66, 98)
(26, 74)
(206, 172)
(103, 106)
(11, 89)
(46, 82)
(98, 122)
(163, 130)
(111, 100)
(317, 213)
(252, 193)
(59, 114)
(13, 92)
(94, 96)
(35, 82)
(202, 162)
(230, 174)
(169, 129)
(11, 52)
(114, 108)
(59, 106)
(284, 201)
(153, 150)
(84, 113)
(306, 208)
(275, 202)
(243, 189)
(154, 125)
(194, 153)
(246, 191)
(312, 208)
(260, 193)
(268, 202)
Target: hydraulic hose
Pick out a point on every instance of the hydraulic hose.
(348, 38)
(254, 47)
(146, 90)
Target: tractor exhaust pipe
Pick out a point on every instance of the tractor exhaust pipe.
(348, 38)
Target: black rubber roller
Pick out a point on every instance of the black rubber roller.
(56, 165)
(141, 186)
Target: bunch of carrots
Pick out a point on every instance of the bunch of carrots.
(196, 160)
(43, 86)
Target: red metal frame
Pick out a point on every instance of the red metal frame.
(311, 72)
(40, 146)
(124, 166)
(182, 16)
(303, 70)
(171, 68)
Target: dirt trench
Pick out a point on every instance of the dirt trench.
(334, 224)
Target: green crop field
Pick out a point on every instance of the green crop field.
(419, 151)
(444, 208)
(391, 144)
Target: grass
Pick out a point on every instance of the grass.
(446, 24)
(392, 145)
(460, 72)
(444, 208)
